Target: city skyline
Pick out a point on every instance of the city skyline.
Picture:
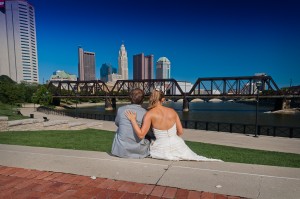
(201, 38)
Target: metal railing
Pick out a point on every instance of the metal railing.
(268, 130)
(97, 116)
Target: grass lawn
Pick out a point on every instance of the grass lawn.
(248, 156)
(99, 140)
(89, 139)
(10, 111)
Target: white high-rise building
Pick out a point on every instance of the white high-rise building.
(123, 62)
(163, 68)
(18, 48)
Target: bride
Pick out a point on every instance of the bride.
(167, 129)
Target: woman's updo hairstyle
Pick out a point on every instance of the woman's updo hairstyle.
(156, 96)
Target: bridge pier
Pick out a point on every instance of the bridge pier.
(286, 104)
(56, 101)
(185, 105)
(282, 104)
(110, 104)
(114, 103)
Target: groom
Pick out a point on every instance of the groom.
(126, 143)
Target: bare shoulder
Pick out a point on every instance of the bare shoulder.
(149, 113)
(171, 110)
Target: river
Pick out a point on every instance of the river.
(227, 112)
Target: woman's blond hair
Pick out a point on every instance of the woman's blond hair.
(156, 96)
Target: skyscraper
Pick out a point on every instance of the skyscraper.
(123, 62)
(18, 49)
(142, 67)
(86, 65)
(106, 70)
(163, 68)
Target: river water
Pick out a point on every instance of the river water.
(227, 112)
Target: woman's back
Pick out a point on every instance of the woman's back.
(158, 116)
(162, 118)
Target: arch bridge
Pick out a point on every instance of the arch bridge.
(223, 88)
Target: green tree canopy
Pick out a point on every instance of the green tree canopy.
(7, 90)
(12, 92)
(6, 79)
(42, 96)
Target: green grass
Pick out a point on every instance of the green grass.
(88, 139)
(99, 140)
(10, 111)
(243, 155)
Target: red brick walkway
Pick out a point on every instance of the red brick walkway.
(26, 183)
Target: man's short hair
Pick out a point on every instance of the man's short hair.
(137, 96)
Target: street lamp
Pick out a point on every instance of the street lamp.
(258, 85)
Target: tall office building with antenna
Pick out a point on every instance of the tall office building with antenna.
(123, 63)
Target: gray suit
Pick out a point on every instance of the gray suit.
(126, 144)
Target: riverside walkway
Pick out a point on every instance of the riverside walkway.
(29, 172)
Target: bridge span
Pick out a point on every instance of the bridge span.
(224, 88)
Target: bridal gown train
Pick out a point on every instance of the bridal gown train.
(169, 146)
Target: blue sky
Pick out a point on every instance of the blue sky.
(201, 38)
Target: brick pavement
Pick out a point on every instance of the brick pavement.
(27, 183)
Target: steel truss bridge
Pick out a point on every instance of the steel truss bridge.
(224, 88)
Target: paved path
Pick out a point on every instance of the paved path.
(233, 179)
(26, 183)
(168, 179)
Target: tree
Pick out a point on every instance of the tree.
(15, 94)
(7, 88)
(12, 92)
(42, 96)
(6, 79)
(28, 89)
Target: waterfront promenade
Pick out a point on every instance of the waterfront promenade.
(58, 172)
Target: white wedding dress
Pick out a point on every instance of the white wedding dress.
(169, 146)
